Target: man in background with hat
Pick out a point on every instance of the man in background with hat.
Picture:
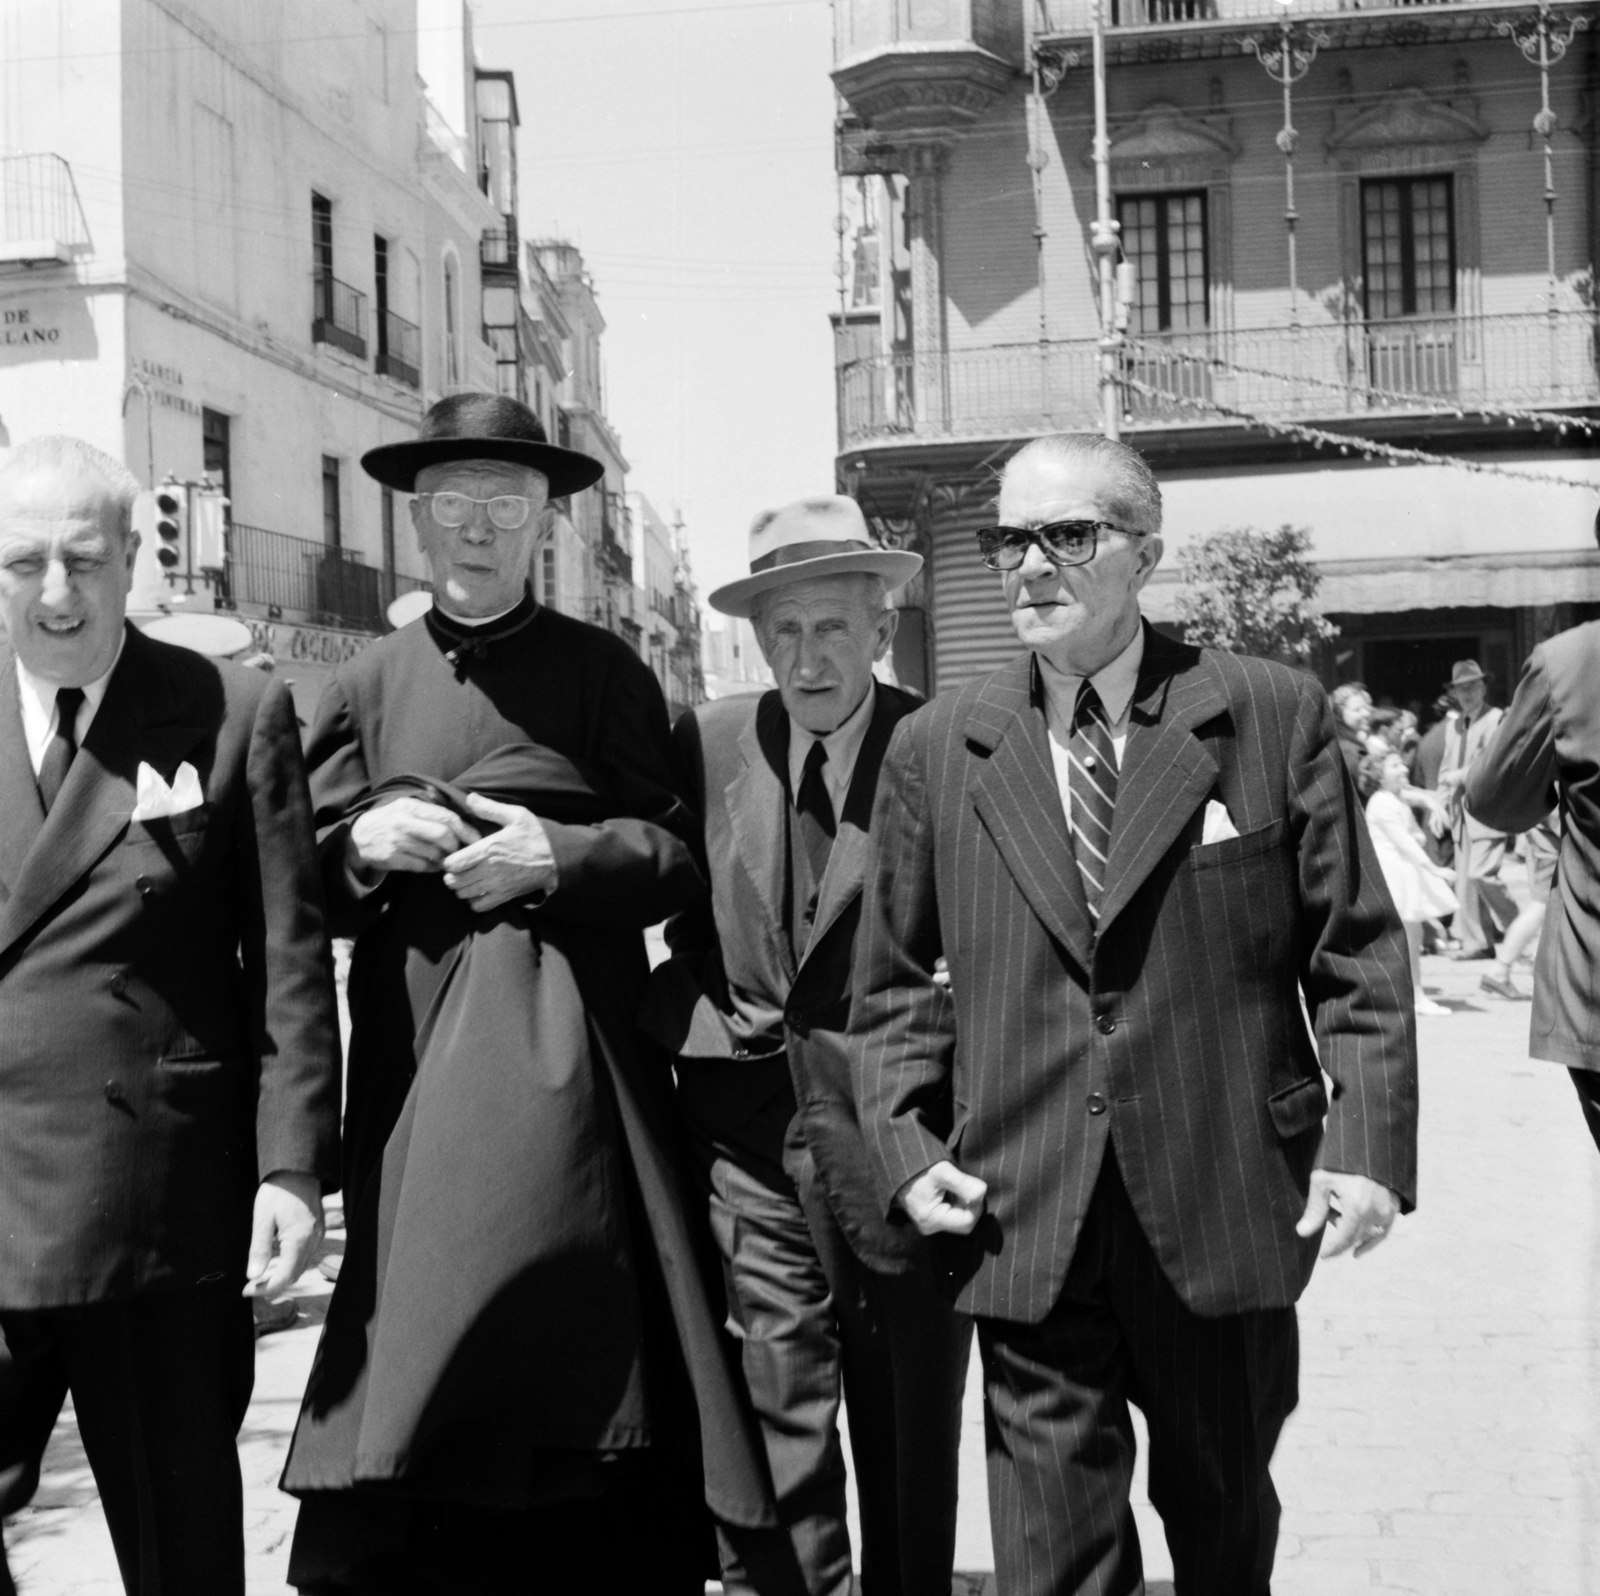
(523, 1374)
(755, 1001)
(1486, 908)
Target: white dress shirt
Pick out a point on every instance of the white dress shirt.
(1114, 683)
(39, 706)
(843, 745)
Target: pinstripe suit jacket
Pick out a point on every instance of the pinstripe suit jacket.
(1178, 1034)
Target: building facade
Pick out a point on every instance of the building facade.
(669, 614)
(1427, 307)
(246, 255)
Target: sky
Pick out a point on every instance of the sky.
(687, 147)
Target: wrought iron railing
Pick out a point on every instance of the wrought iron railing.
(1072, 17)
(40, 215)
(399, 349)
(339, 316)
(498, 247)
(302, 578)
(1326, 370)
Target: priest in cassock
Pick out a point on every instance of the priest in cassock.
(522, 1383)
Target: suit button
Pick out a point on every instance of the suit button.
(145, 885)
(741, 1052)
(1097, 1104)
(118, 984)
(114, 1092)
(1105, 1024)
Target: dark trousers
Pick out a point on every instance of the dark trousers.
(1588, 1085)
(160, 1384)
(1215, 1393)
(812, 1321)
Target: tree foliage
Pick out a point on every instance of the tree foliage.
(1253, 592)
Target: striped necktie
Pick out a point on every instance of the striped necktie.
(1092, 784)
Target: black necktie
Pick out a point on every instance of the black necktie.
(61, 748)
(814, 809)
(1092, 783)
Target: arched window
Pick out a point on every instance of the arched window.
(452, 324)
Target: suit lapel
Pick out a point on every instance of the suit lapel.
(135, 722)
(1166, 771)
(1019, 803)
(847, 863)
(21, 811)
(756, 799)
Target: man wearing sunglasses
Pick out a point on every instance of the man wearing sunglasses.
(1137, 858)
(522, 1367)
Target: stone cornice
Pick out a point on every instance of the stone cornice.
(919, 95)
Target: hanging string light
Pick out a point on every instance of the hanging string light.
(1539, 419)
(1350, 443)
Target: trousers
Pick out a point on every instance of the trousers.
(160, 1384)
(814, 1324)
(1215, 1394)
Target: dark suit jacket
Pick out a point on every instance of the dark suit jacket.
(1178, 1034)
(166, 997)
(1547, 751)
(734, 987)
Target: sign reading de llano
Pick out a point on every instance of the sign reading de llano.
(46, 326)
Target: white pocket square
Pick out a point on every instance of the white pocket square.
(1218, 825)
(156, 800)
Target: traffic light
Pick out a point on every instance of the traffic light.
(209, 525)
(172, 530)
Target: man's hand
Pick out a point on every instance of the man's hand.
(1361, 1212)
(942, 1200)
(288, 1223)
(406, 834)
(508, 864)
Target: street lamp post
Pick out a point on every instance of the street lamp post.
(1103, 237)
(1287, 57)
(1543, 41)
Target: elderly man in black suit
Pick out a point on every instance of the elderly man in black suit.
(169, 1076)
(754, 1002)
(1545, 754)
(1137, 858)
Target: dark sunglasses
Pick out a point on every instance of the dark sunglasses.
(1004, 548)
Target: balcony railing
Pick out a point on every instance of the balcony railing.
(498, 247)
(1324, 371)
(339, 316)
(1072, 17)
(303, 578)
(399, 349)
(41, 221)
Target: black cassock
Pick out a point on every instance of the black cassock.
(525, 1298)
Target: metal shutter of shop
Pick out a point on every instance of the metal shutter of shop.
(972, 633)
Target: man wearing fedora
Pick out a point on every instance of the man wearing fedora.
(523, 1375)
(1486, 908)
(823, 1293)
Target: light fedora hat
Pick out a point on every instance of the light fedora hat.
(825, 536)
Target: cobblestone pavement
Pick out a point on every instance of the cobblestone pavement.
(1446, 1437)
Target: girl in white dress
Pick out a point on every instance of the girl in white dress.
(1420, 888)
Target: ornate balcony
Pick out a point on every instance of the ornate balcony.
(1152, 31)
(1328, 372)
(306, 580)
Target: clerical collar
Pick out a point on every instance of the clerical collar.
(463, 639)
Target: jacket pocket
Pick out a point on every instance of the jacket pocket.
(1208, 855)
(1298, 1108)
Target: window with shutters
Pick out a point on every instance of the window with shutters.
(1408, 247)
(1164, 236)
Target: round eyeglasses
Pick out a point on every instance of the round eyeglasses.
(1004, 548)
(507, 511)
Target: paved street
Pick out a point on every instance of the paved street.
(1445, 1440)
